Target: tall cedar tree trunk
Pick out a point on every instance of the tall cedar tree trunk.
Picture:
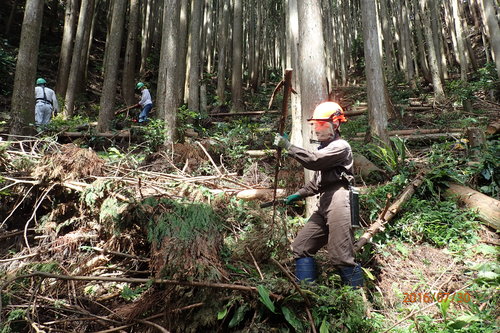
(237, 74)
(70, 17)
(387, 33)
(171, 100)
(182, 48)
(293, 38)
(147, 16)
(222, 53)
(378, 101)
(312, 71)
(161, 89)
(432, 52)
(23, 100)
(78, 49)
(460, 40)
(492, 29)
(13, 11)
(195, 59)
(87, 46)
(128, 82)
(112, 59)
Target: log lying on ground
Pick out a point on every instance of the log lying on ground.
(493, 128)
(366, 169)
(247, 113)
(419, 131)
(259, 194)
(386, 216)
(121, 134)
(488, 208)
(260, 153)
(430, 136)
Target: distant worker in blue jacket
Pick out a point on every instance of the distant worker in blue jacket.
(145, 103)
(45, 103)
(330, 224)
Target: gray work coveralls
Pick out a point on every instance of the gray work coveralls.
(330, 224)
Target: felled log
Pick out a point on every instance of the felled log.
(493, 128)
(388, 214)
(488, 208)
(121, 134)
(265, 194)
(418, 131)
(366, 169)
(247, 113)
(260, 153)
(415, 137)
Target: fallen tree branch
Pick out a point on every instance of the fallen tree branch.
(390, 212)
(131, 280)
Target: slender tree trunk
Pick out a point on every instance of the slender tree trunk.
(387, 33)
(171, 103)
(421, 44)
(460, 40)
(406, 44)
(146, 34)
(85, 9)
(183, 39)
(23, 101)
(87, 46)
(195, 59)
(13, 10)
(128, 83)
(378, 101)
(112, 57)
(492, 30)
(312, 70)
(222, 44)
(293, 38)
(433, 58)
(237, 72)
(70, 17)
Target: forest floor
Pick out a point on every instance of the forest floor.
(124, 235)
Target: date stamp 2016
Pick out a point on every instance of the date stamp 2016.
(458, 297)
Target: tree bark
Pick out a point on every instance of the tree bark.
(460, 40)
(237, 63)
(437, 85)
(312, 71)
(23, 101)
(492, 29)
(183, 39)
(147, 17)
(293, 39)
(70, 17)
(171, 102)
(488, 208)
(85, 9)
(195, 59)
(112, 59)
(378, 100)
(221, 54)
(128, 82)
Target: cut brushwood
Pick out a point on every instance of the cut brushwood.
(390, 212)
(488, 208)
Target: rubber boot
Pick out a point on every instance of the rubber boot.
(305, 269)
(351, 275)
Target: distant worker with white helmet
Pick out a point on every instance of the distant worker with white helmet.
(145, 103)
(45, 102)
(330, 224)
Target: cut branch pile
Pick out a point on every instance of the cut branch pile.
(90, 221)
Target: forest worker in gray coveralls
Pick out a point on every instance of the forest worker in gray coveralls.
(145, 103)
(45, 102)
(330, 224)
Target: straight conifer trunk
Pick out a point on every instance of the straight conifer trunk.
(112, 59)
(378, 101)
(23, 100)
(70, 17)
(128, 82)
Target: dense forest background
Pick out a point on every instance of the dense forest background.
(109, 226)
